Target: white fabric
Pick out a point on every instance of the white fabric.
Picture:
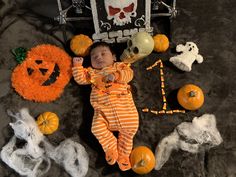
(189, 54)
(193, 137)
(34, 161)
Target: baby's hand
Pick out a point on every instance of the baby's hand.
(109, 78)
(78, 61)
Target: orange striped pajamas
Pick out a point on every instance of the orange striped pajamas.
(114, 109)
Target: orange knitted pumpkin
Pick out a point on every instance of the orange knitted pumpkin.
(161, 42)
(43, 74)
(80, 44)
(142, 160)
(190, 97)
(48, 122)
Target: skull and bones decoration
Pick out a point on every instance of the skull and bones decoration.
(139, 46)
(120, 11)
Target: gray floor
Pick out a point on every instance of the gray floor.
(210, 24)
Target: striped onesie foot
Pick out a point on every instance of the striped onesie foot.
(111, 156)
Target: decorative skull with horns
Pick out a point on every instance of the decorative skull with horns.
(121, 11)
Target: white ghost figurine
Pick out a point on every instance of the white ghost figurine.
(193, 137)
(189, 53)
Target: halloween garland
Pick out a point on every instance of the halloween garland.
(44, 73)
(164, 107)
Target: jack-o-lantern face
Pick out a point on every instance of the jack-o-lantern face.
(44, 73)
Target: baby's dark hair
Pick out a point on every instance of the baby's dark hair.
(101, 44)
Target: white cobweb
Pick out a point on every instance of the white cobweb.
(193, 137)
(33, 160)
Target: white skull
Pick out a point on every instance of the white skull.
(120, 11)
(139, 46)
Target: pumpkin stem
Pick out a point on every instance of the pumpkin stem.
(20, 54)
(45, 122)
(141, 163)
(192, 93)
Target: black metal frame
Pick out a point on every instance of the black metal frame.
(79, 5)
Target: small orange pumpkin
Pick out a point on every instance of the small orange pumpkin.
(142, 160)
(48, 122)
(80, 44)
(190, 97)
(161, 42)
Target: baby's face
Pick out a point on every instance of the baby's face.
(101, 57)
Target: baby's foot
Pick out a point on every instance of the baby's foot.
(124, 163)
(111, 156)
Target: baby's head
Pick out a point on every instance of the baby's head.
(101, 55)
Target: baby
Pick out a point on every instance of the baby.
(114, 109)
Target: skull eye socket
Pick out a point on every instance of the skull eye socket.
(135, 50)
(129, 8)
(129, 43)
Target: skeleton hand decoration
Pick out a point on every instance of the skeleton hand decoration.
(189, 54)
(139, 46)
(193, 137)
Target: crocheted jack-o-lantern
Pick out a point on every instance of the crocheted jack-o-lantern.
(43, 74)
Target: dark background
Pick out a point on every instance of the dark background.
(210, 24)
